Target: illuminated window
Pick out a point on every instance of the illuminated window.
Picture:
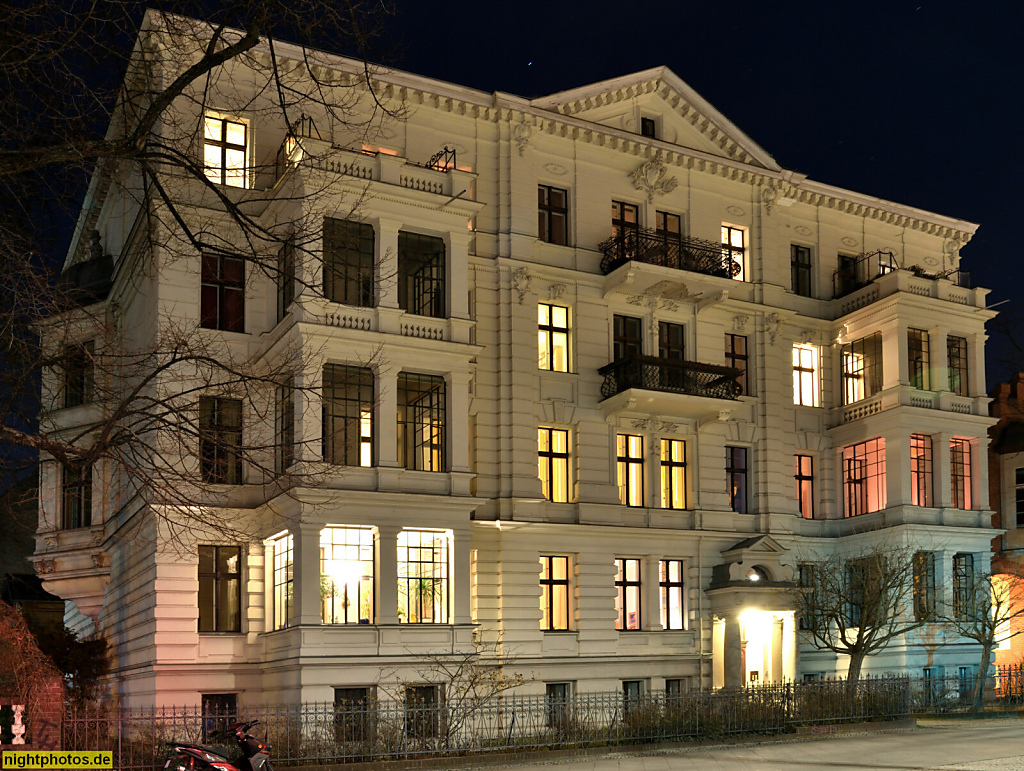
(805, 485)
(421, 275)
(77, 495)
(800, 266)
(553, 463)
(283, 581)
(960, 473)
(736, 357)
(424, 586)
(736, 477)
(220, 440)
(630, 469)
(222, 293)
(956, 356)
(220, 589)
(224, 150)
(918, 359)
(864, 477)
(673, 474)
(553, 337)
(862, 368)
(346, 575)
(920, 470)
(673, 594)
(348, 415)
(734, 251)
(79, 374)
(627, 594)
(422, 414)
(626, 225)
(924, 585)
(552, 214)
(349, 262)
(806, 375)
(554, 593)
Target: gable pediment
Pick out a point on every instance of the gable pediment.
(681, 116)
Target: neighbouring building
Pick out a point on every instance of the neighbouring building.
(586, 377)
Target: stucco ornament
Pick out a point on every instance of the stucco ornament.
(521, 279)
(771, 326)
(652, 177)
(521, 133)
(770, 195)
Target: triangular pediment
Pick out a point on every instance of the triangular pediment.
(758, 545)
(681, 116)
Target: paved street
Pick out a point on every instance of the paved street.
(967, 745)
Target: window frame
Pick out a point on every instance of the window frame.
(925, 591)
(422, 422)
(918, 359)
(76, 495)
(674, 474)
(867, 460)
(549, 586)
(217, 578)
(348, 410)
(219, 175)
(283, 580)
(921, 470)
(548, 214)
(958, 365)
(801, 269)
(648, 127)
(669, 587)
(629, 469)
(624, 344)
(806, 375)
(961, 473)
(220, 441)
(549, 333)
(284, 426)
(351, 545)
(418, 294)
(548, 463)
(737, 478)
(1018, 479)
(805, 485)
(963, 583)
(78, 378)
(349, 262)
(861, 368)
(285, 279)
(222, 293)
(731, 253)
(440, 548)
(628, 594)
(739, 360)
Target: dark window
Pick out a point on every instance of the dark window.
(964, 586)
(629, 450)
(649, 128)
(846, 275)
(924, 586)
(960, 473)
(220, 589)
(673, 595)
(673, 474)
(627, 594)
(552, 214)
(285, 278)
(352, 715)
(671, 341)
(422, 711)
(736, 477)
(800, 263)
(557, 696)
(220, 440)
(554, 593)
(918, 359)
(421, 273)
(77, 494)
(219, 711)
(422, 409)
(805, 485)
(956, 355)
(349, 262)
(223, 293)
(862, 368)
(866, 592)
(224, 147)
(553, 463)
(632, 693)
(1019, 498)
(78, 374)
(627, 337)
(669, 229)
(920, 470)
(864, 477)
(625, 226)
(348, 415)
(284, 426)
(736, 356)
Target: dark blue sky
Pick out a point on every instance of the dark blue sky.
(915, 102)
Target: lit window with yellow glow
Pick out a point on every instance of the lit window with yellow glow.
(553, 337)
(346, 575)
(224, 150)
(424, 579)
(630, 469)
(734, 252)
(806, 375)
(553, 463)
(673, 474)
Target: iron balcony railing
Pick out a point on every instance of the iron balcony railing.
(670, 251)
(857, 272)
(670, 375)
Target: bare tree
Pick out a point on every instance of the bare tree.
(855, 604)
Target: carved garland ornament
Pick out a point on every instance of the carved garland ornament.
(521, 279)
(521, 133)
(652, 178)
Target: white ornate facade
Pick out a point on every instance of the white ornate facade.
(512, 332)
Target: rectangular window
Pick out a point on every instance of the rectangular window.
(734, 251)
(285, 278)
(346, 575)
(629, 451)
(963, 585)
(349, 258)
(348, 415)
(673, 474)
(1019, 497)
(648, 128)
(800, 265)
(846, 275)
(283, 581)
(557, 697)
(625, 224)
(552, 214)
(864, 477)
(553, 463)
(805, 485)
(920, 470)
(220, 440)
(862, 368)
(673, 594)
(353, 714)
(554, 594)
(422, 413)
(284, 426)
(219, 711)
(956, 356)
(224, 151)
(736, 477)
(220, 589)
(924, 586)
(918, 359)
(423, 711)
(423, 577)
(421, 275)
(806, 375)
(78, 374)
(960, 473)
(627, 594)
(222, 293)
(736, 357)
(632, 695)
(77, 495)
(669, 229)
(553, 337)
(671, 341)
(627, 337)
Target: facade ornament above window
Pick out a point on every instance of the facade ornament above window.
(521, 279)
(643, 424)
(771, 326)
(652, 178)
(739, 322)
(555, 291)
(770, 195)
(521, 133)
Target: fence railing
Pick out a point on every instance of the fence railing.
(384, 729)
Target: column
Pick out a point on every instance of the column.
(458, 274)
(776, 662)
(938, 359)
(976, 364)
(306, 572)
(897, 469)
(458, 421)
(942, 487)
(309, 416)
(387, 574)
(461, 577)
(733, 653)
(387, 263)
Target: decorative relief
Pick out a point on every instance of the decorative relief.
(556, 168)
(803, 230)
(97, 537)
(807, 336)
(770, 195)
(555, 291)
(669, 305)
(644, 424)
(521, 279)
(44, 567)
(51, 541)
(736, 211)
(652, 178)
(521, 133)
(847, 241)
(771, 326)
(97, 560)
(739, 322)
(933, 261)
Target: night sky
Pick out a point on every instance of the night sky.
(914, 102)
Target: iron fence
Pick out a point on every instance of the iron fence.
(384, 729)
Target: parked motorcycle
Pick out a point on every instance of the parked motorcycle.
(255, 754)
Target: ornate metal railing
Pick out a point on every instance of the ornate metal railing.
(442, 160)
(670, 375)
(679, 252)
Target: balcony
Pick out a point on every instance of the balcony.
(670, 251)
(855, 273)
(670, 376)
